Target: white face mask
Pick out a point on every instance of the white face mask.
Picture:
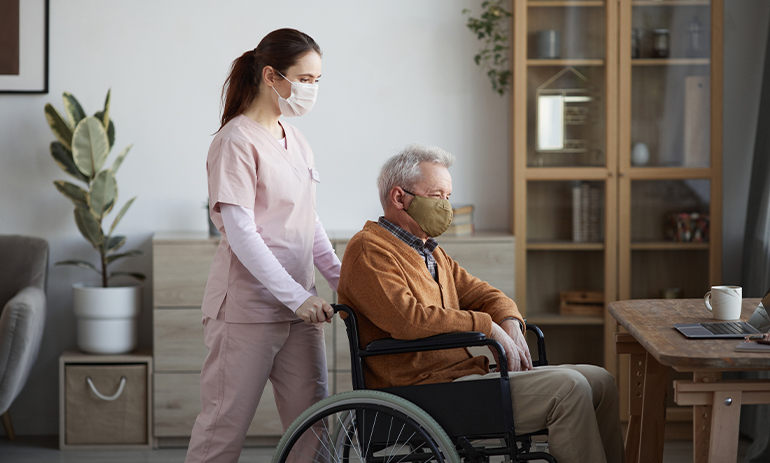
(300, 101)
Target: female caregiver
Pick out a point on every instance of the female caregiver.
(262, 317)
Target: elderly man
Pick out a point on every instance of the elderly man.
(403, 285)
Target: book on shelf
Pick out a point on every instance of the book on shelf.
(462, 221)
(462, 209)
(586, 212)
(459, 229)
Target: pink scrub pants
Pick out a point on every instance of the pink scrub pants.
(242, 356)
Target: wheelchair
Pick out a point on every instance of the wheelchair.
(465, 421)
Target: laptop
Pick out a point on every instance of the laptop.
(723, 330)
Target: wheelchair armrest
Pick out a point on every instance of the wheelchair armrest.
(541, 359)
(440, 341)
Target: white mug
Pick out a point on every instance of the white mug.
(725, 302)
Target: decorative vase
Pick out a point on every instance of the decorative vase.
(640, 154)
(107, 317)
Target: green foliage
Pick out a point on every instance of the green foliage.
(81, 150)
(492, 28)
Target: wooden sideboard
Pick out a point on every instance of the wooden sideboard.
(181, 262)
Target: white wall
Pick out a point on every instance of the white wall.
(394, 72)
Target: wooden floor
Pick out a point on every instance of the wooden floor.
(45, 449)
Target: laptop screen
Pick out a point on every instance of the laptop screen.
(760, 319)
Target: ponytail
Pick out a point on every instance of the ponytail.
(280, 49)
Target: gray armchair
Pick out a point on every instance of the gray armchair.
(23, 271)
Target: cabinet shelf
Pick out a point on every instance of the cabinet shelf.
(671, 3)
(565, 173)
(563, 3)
(670, 61)
(565, 62)
(564, 320)
(668, 246)
(563, 246)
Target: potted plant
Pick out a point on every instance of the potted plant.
(107, 315)
(492, 28)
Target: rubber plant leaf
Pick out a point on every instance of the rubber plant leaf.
(121, 213)
(90, 146)
(106, 112)
(114, 243)
(119, 160)
(63, 158)
(73, 109)
(104, 191)
(80, 263)
(113, 257)
(138, 276)
(59, 126)
(110, 129)
(75, 194)
(89, 227)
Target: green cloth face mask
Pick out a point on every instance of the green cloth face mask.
(431, 214)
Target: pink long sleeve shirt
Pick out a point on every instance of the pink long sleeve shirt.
(266, 271)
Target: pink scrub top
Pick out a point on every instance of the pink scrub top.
(249, 167)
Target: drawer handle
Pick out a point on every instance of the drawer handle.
(104, 397)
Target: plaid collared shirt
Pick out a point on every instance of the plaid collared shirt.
(424, 249)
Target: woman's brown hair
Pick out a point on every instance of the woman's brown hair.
(280, 49)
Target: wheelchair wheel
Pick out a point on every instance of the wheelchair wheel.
(365, 427)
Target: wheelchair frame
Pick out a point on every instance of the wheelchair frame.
(488, 416)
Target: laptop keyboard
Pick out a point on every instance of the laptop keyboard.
(726, 328)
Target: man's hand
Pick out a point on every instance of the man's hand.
(515, 346)
(513, 329)
(315, 310)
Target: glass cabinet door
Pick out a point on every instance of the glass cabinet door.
(670, 99)
(669, 147)
(566, 70)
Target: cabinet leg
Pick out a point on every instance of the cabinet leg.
(8, 425)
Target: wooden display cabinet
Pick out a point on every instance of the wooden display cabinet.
(669, 107)
(564, 139)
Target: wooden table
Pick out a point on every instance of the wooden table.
(655, 346)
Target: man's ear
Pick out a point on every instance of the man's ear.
(397, 198)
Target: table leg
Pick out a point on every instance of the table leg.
(726, 416)
(653, 422)
(636, 388)
(701, 422)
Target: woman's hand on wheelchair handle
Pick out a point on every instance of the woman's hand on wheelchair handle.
(315, 310)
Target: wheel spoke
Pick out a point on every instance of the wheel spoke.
(397, 437)
(355, 431)
(410, 453)
(402, 445)
(369, 443)
(321, 440)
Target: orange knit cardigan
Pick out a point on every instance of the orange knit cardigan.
(389, 287)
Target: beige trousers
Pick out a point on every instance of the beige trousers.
(578, 404)
(242, 357)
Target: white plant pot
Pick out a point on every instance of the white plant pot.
(107, 317)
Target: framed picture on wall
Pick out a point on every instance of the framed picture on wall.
(24, 46)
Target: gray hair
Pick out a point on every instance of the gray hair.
(404, 170)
